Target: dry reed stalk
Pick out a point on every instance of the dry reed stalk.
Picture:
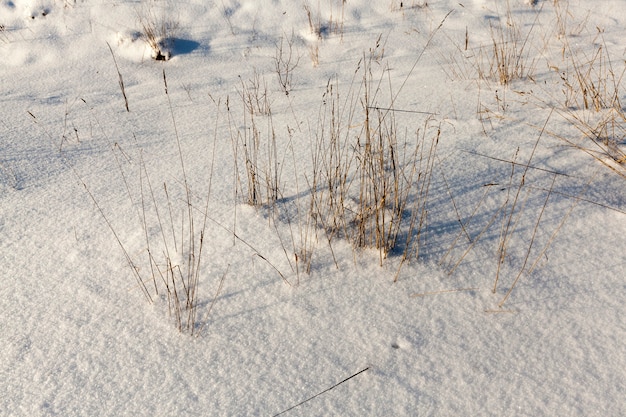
(120, 79)
(530, 245)
(508, 230)
(467, 222)
(552, 236)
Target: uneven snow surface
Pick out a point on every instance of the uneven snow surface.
(125, 188)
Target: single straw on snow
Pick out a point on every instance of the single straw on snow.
(323, 392)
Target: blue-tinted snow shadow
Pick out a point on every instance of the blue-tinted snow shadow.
(183, 46)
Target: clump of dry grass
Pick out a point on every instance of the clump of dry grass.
(367, 185)
(333, 24)
(169, 262)
(254, 145)
(592, 86)
(286, 60)
(159, 30)
(175, 239)
(370, 178)
(510, 50)
(506, 57)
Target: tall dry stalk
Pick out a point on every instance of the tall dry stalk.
(509, 223)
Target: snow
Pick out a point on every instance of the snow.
(83, 194)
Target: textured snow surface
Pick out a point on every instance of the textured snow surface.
(80, 175)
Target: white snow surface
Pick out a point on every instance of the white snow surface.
(78, 171)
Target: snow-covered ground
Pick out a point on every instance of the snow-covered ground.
(109, 158)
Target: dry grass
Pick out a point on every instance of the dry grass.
(513, 214)
(333, 24)
(254, 145)
(168, 265)
(510, 50)
(507, 57)
(591, 91)
(368, 186)
(120, 79)
(592, 87)
(159, 30)
(174, 243)
(372, 169)
(286, 60)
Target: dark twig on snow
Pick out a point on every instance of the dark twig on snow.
(323, 392)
